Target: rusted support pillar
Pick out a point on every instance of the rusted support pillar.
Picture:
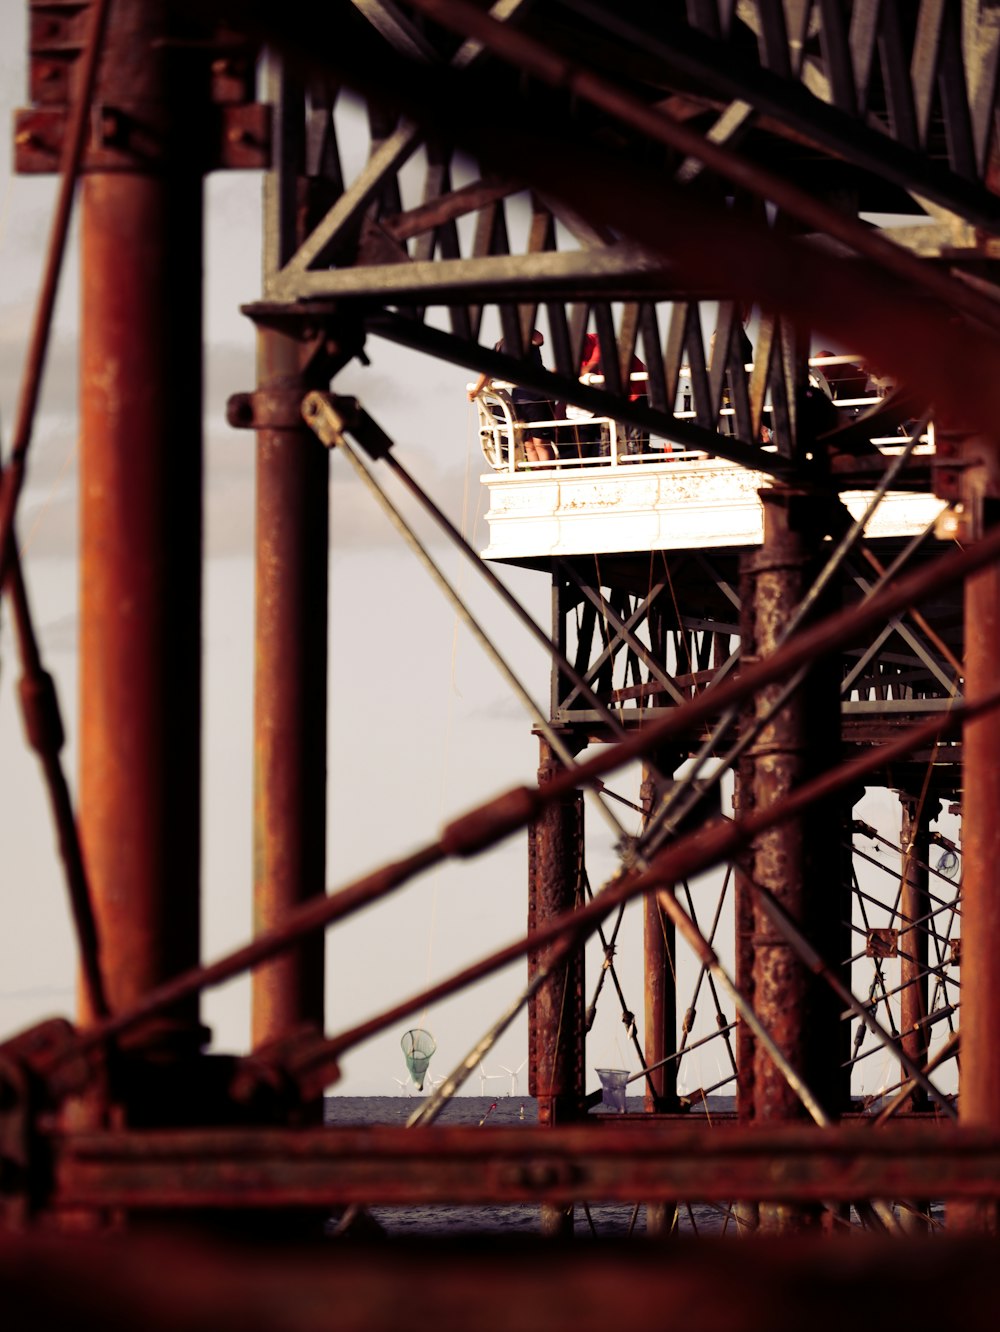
(979, 1089)
(659, 949)
(556, 1012)
(799, 863)
(141, 510)
(914, 905)
(290, 688)
(659, 993)
(299, 349)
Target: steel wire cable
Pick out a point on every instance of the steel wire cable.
(691, 1013)
(720, 1017)
(944, 908)
(76, 128)
(890, 992)
(475, 628)
(932, 1020)
(490, 823)
(779, 917)
(948, 1051)
(541, 722)
(668, 816)
(318, 414)
(714, 970)
(943, 904)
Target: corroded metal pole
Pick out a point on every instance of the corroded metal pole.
(290, 690)
(141, 512)
(660, 971)
(799, 862)
(556, 1018)
(979, 1090)
(660, 996)
(291, 594)
(914, 904)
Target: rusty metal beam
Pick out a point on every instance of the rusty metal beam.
(606, 1160)
(160, 1282)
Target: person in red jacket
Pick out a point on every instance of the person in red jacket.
(590, 364)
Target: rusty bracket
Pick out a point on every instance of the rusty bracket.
(956, 952)
(882, 943)
(233, 131)
(332, 417)
(27, 1086)
(295, 1070)
(266, 409)
(237, 137)
(948, 466)
(326, 342)
(56, 36)
(15, 1144)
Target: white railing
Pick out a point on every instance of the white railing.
(582, 440)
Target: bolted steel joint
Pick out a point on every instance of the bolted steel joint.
(266, 409)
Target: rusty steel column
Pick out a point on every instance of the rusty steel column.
(659, 950)
(799, 863)
(290, 687)
(979, 1088)
(556, 1012)
(659, 994)
(141, 509)
(298, 350)
(914, 905)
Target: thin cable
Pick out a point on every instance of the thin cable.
(472, 624)
(662, 824)
(73, 146)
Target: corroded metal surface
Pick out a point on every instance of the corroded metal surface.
(556, 1011)
(905, 108)
(141, 527)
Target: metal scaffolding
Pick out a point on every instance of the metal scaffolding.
(634, 176)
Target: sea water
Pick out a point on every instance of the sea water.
(604, 1219)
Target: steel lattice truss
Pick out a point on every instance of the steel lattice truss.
(645, 176)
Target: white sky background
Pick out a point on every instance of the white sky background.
(421, 727)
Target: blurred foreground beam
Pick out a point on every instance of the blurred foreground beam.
(161, 1283)
(609, 1159)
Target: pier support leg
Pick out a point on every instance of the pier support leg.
(298, 350)
(290, 693)
(979, 1088)
(914, 904)
(556, 1013)
(660, 995)
(141, 526)
(798, 863)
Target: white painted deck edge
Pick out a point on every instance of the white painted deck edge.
(698, 504)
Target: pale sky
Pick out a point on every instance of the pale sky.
(421, 727)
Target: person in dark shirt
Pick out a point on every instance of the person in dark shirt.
(529, 406)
